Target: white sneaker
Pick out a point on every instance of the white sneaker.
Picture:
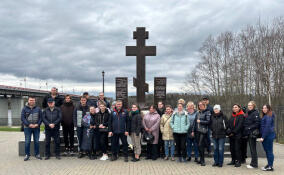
(104, 157)
(250, 167)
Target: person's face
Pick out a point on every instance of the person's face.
(101, 96)
(250, 106)
(67, 99)
(160, 105)
(102, 107)
(83, 101)
(134, 108)
(236, 108)
(53, 91)
(205, 101)
(152, 110)
(31, 101)
(118, 105)
(113, 106)
(264, 109)
(168, 110)
(92, 110)
(51, 104)
(180, 107)
(201, 106)
(216, 111)
(190, 108)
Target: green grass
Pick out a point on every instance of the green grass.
(15, 128)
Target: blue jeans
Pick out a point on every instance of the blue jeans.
(80, 137)
(219, 145)
(28, 134)
(167, 144)
(189, 143)
(268, 148)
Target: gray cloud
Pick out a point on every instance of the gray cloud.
(76, 40)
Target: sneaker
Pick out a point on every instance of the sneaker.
(215, 164)
(66, 152)
(238, 164)
(38, 157)
(166, 158)
(26, 158)
(269, 168)
(71, 153)
(231, 163)
(250, 167)
(104, 157)
(173, 158)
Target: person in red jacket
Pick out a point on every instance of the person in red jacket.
(235, 134)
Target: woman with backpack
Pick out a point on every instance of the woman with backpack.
(180, 124)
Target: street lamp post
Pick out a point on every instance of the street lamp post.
(103, 73)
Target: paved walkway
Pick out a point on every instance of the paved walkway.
(11, 163)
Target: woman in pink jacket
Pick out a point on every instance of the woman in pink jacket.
(151, 123)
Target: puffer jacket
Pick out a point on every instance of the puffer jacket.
(204, 117)
(31, 116)
(251, 122)
(165, 127)
(218, 125)
(52, 117)
(179, 122)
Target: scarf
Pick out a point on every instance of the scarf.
(236, 115)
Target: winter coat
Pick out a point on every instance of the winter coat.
(267, 125)
(235, 124)
(165, 127)
(52, 117)
(204, 117)
(102, 118)
(67, 110)
(191, 119)
(152, 121)
(119, 121)
(79, 111)
(179, 122)
(251, 122)
(218, 125)
(58, 100)
(136, 123)
(31, 116)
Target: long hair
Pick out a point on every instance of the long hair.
(269, 112)
(201, 102)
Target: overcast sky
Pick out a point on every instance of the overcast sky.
(69, 42)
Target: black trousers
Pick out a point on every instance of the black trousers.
(202, 144)
(55, 134)
(235, 148)
(244, 143)
(152, 151)
(161, 149)
(102, 141)
(252, 146)
(115, 147)
(180, 140)
(68, 134)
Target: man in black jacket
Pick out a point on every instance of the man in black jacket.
(51, 118)
(119, 126)
(53, 94)
(102, 98)
(78, 114)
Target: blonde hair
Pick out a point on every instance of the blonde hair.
(190, 103)
(253, 103)
(181, 101)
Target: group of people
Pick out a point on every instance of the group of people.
(169, 132)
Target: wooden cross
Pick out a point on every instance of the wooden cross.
(140, 51)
